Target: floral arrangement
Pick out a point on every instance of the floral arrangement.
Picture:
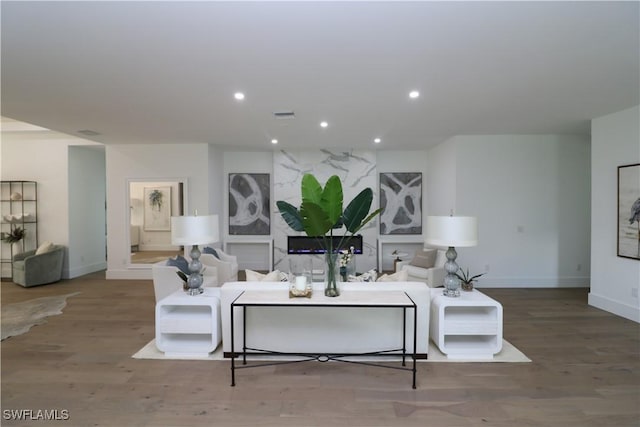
(346, 256)
(14, 235)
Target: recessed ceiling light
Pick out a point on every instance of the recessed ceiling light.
(324, 124)
(274, 141)
(239, 96)
(377, 140)
(414, 94)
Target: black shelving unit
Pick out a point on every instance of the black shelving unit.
(18, 208)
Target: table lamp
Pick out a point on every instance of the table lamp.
(194, 230)
(451, 231)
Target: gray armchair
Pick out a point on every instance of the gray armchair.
(30, 269)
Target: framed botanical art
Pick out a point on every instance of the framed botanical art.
(157, 208)
(401, 203)
(629, 211)
(249, 199)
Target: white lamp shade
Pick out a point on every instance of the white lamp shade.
(194, 230)
(458, 231)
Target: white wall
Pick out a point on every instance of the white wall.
(216, 183)
(166, 162)
(441, 178)
(530, 194)
(615, 142)
(401, 161)
(43, 156)
(87, 215)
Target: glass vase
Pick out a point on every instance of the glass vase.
(331, 275)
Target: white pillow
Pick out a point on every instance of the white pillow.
(369, 276)
(254, 276)
(400, 276)
(44, 248)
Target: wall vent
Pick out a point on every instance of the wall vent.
(88, 132)
(284, 114)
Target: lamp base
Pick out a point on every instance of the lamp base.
(451, 281)
(195, 278)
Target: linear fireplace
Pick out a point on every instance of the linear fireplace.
(304, 245)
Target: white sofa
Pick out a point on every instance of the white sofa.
(322, 329)
(227, 265)
(166, 280)
(433, 277)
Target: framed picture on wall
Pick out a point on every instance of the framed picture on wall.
(157, 208)
(249, 200)
(401, 203)
(629, 211)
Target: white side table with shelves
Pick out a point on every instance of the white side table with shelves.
(189, 325)
(467, 327)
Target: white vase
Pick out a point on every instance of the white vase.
(16, 248)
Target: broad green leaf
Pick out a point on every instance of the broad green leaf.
(331, 201)
(291, 215)
(314, 219)
(357, 209)
(367, 219)
(311, 189)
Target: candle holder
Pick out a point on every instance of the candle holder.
(297, 292)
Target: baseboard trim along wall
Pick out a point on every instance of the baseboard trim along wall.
(615, 307)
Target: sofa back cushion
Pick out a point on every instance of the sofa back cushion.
(273, 276)
(399, 276)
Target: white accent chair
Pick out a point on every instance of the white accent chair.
(166, 280)
(227, 266)
(433, 277)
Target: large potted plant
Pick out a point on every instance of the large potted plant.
(321, 214)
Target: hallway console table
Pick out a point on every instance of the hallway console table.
(258, 300)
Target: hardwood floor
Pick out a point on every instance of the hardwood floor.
(585, 372)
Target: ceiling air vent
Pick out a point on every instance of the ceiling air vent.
(284, 115)
(88, 132)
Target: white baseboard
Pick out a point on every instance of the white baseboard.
(615, 307)
(534, 282)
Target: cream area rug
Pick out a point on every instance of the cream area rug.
(509, 353)
(19, 317)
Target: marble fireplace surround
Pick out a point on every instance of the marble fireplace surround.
(355, 168)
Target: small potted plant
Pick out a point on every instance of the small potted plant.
(466, 279)
(13, 237)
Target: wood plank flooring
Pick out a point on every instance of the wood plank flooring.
(585, 372)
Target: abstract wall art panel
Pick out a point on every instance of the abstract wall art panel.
(249, 199)
(401, 203)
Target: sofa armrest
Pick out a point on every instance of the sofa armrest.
(23, 255)
(401, 264)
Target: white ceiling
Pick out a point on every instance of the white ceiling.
(166, 72)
